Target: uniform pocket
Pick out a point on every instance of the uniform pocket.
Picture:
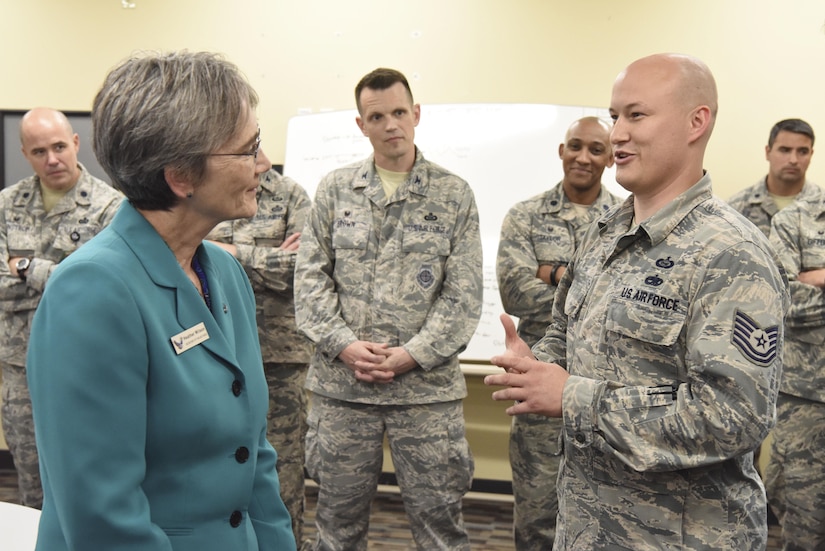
(643, 342)
(552, 243)
(659, 322)
(350, 228)
(426, 243)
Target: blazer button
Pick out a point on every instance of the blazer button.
(235, 519)
(242, 454)
(236, 387)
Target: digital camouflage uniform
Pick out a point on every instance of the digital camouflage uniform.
(543, 230)
(282, 209)
(795, 476)
(757, 205)
(46, 238)
(672, 334)
(407, 272)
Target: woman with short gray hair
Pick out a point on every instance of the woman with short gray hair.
(145, 370)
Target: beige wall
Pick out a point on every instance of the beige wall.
(768, 56)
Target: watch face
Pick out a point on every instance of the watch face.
(22, 264)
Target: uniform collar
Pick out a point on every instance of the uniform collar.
(367, 179)
(269, 180)
(663, 222)
(79, 194)
(760, 195)
(557, 202)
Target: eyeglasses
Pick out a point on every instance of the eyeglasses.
(253, 153)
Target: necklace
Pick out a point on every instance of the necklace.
(196, 265)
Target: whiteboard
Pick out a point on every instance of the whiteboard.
(506, 152)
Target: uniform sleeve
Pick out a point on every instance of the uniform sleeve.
(552, 347)
(726, 404)
(12, 288)
(90, 414)
(273, 267)
(807, 309)
(522, 293)
(41, 268)
(454, 315)
(317, 309)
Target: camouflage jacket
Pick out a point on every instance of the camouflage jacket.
(405, 271)
(282, 209)
(756, 204)
(672, 333)
(544, 229)
(47, 238)
(798, 235)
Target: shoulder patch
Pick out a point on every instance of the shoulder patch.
(758, 345)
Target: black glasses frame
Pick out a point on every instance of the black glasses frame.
(253, 154)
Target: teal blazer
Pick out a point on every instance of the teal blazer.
(149, 439)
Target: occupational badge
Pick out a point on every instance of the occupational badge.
(425, 277)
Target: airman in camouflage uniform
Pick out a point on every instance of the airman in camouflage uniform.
(266, 245)
(389, 285)
(789, 150)
(795, 475)
(43, 219)
(664, 355)
(538, 238)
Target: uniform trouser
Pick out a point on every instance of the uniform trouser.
(795, 475)
(432, 463)
(286, 430)
(534, 460)
(18, 428)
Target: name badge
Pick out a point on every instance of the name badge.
(189, 338)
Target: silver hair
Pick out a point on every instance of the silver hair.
(159, 111)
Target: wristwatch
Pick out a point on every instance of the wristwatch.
(21, 266)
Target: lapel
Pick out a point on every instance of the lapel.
(162, 268)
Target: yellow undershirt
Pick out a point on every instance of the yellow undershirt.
(390, 180)
(782, 201)
(51, 196)
(581, 210)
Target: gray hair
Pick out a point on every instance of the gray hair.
(161, 111)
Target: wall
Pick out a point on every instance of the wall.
(307, 55)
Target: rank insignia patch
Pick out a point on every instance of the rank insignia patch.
(758, 345)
